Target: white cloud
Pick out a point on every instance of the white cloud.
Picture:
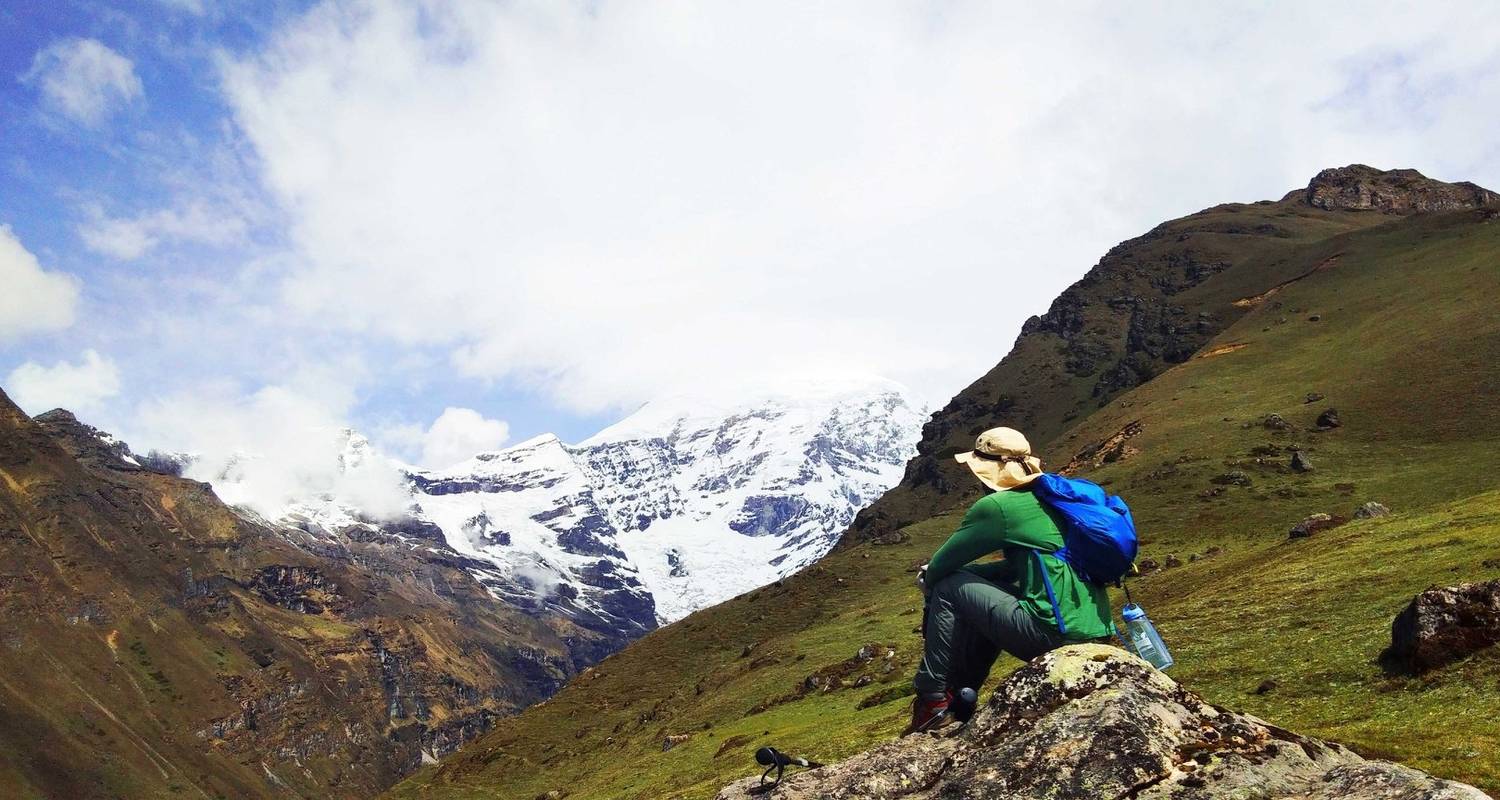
(611, 200)
(32, 300)
(80, 387)
(129, 238)
(274, 448)
(83, 79)
(458, 434)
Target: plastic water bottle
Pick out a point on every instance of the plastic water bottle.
(1143, 637)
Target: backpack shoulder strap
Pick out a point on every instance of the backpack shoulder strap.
(1062, 627)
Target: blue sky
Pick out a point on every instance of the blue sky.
(457, 224)
(62, 174)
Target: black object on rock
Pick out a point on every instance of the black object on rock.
(965, 704)
(771, 758)
(1300, 462)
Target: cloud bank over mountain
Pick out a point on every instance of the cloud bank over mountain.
(550, 213)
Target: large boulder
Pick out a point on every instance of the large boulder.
(1444, 624)
(1089, 721)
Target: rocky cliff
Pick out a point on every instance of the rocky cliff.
(1090, 721)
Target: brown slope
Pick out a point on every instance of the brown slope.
(1150, 303)
(158, 644)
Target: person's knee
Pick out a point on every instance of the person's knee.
(948, 587)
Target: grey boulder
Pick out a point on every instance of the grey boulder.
(1090, 721)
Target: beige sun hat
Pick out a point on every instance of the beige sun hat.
(1002, 459)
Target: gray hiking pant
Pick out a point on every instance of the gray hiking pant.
(969, 621)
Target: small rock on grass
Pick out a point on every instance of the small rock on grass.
(1300, 462)
(1328, 420)
(1314, 523)
(1232, 478)
(1371, 510)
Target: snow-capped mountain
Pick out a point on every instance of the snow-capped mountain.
(683, 504)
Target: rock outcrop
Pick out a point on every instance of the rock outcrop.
(1398, 191)
(1089, 721)
(1444, 624)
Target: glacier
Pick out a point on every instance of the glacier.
(685, 503)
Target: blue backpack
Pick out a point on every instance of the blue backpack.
(1099, 540)
(1098, 533)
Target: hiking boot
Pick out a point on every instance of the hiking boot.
(929, 713)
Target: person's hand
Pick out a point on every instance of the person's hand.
(922, 580)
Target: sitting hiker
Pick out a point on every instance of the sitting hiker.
(977, 609)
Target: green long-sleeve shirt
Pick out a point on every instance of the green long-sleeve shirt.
(1015, 522)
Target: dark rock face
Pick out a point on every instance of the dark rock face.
(1089, 721)
(301, 589)
(414, 528)
(1328, 420)
(1442, 625)
(769, 515)
(1300, 462)
(1399, 191)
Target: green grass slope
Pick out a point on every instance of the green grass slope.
(1150, 303)
(1405, 346)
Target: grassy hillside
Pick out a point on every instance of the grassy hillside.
(1150, 303)
(1405, 345)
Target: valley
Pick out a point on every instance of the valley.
(1400, 337)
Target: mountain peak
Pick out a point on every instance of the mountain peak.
(84, 441)
(1359, 187)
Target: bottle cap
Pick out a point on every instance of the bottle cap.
(1132, 612)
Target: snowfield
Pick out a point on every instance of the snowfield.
(682, 504)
